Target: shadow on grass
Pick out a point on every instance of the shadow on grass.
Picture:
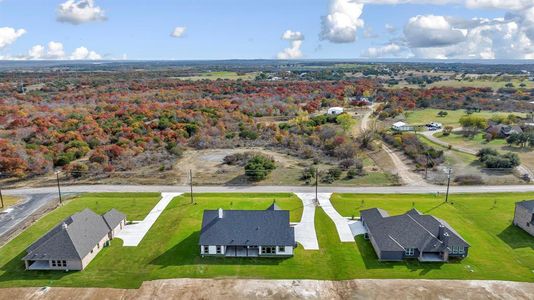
(435, 207)
(187, 252)
(516, 237)
(16, 270)
(413, 265)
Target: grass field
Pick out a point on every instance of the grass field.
(477, 83)
(428, 115)
(9, 201)
(221, 75)
(170, 250)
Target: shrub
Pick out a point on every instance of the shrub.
(77, 170)
(308, 173)
(258, 167)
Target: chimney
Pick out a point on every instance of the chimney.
(221, 213)
(441, 231)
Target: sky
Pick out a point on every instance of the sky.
(266, 29)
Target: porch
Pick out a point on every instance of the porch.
(242, 251)
(431, 257)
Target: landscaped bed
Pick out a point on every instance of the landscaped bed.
(170, 249)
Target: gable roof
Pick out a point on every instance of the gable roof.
(528, 204)
(247, 228)
(73, 238)
(113, 218)
(274, 207)
(409, 230)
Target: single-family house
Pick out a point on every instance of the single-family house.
(524, 216)
(412, 236)
(335, 111)
(247, 233)
(401, 126)
(503, 130)
(75, 242)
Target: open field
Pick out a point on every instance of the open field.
(9, 201)
(221, 75)
(476, 83)
(478, 142)
(499, 251)
(428, 115)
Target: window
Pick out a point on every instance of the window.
(64, 263)
(282, 249)
(98, 246)
(268, 250)
(218, 249)
(528, 224)
(206, 249)
(409, 251)
(54, 263)
(461, 250)
(458, 250)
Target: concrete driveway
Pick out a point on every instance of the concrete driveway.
(342, 224)
(133, 234)
(305, 230)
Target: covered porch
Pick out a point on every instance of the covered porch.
(431, 257)
(242, 251)
(37, 265)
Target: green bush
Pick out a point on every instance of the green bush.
(258, 167)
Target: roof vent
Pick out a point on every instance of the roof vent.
(221, 213)
(64, 226)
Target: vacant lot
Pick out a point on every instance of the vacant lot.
(428, 115)
(221, 75)
(476, 83)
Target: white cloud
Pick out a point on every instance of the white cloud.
(389, 50)
(80, 11)
(431, 31)
(9, 35)
(342, 21)
(83, 53)
(295, 39)
(178, 32)
(55, 50)
(390, 28)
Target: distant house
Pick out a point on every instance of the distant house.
(335, 111)
(247, 233)
(401, 126)
(502, 130)
(75, 242)
(524, 216)
(412, 236)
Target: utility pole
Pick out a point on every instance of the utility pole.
(316, 185)
(426, 166)
(1, 198)
(59, 188)
(449, 170)
(191, 185)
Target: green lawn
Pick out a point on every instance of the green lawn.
(477, 83)
(221, 75)
(498, 250)
(170, 248)
(428, 115)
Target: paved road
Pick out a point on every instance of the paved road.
(270, 189)
(20, 212)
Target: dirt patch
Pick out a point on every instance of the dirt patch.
(288, 289)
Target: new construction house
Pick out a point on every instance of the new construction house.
(247, 233)
(412, 236)
(74, 243)
(524, 216)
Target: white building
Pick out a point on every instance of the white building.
(401, 126)
(335, 111)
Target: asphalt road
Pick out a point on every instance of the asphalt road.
(20, 212)
(413, 189)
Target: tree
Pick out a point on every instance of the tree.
(258, 167)
(442, 113)
(345, 121)
(472, 124)
(447, 130)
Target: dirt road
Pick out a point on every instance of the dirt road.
(289, 289)
(403, 171)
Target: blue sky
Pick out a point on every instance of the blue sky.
(228, 29)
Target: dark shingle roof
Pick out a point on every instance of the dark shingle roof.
(409, 230)
(73, 238)
(528, 204)
(113, 218)
(247, 227)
